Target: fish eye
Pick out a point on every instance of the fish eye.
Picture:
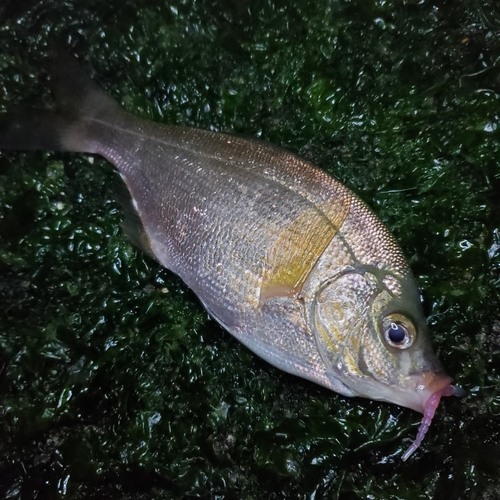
(398, 330)
(396, 333)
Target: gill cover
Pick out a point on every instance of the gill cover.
(339, 315)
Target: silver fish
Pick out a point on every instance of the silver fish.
(283, 256)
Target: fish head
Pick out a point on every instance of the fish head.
(372, 336)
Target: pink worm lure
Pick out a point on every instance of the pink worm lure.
(429, 410)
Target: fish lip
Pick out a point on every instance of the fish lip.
(426, 384)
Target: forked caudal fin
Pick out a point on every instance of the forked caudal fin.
(79, 99)
(82, 108)
(430, 408)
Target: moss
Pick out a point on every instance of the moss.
(114, 381)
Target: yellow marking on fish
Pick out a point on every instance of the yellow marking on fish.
(327, 338)
(355, 343)
(351, 363)
(339, 333)
(379, 363)
(298, 249)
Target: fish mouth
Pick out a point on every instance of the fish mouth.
(425, 385)
(422, 386)
(438, 386)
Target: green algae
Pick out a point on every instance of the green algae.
(114, 381)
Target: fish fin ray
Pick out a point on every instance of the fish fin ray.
(67, 128)
(132, 224)
(31, 131)
(299, 247)
(76, 93)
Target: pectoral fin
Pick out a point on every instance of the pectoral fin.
(298, 248)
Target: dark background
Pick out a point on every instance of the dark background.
(114, 383)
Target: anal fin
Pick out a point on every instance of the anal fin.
(132, 224)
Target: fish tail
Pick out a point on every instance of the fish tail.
(79, 101)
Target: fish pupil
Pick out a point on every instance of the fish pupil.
(396, 333)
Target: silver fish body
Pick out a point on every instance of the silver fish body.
(277, 251)
(286, 258)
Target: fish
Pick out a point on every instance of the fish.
(285, 257)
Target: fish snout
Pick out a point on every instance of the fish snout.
(425, 385)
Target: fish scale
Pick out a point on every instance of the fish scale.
(286, 258)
